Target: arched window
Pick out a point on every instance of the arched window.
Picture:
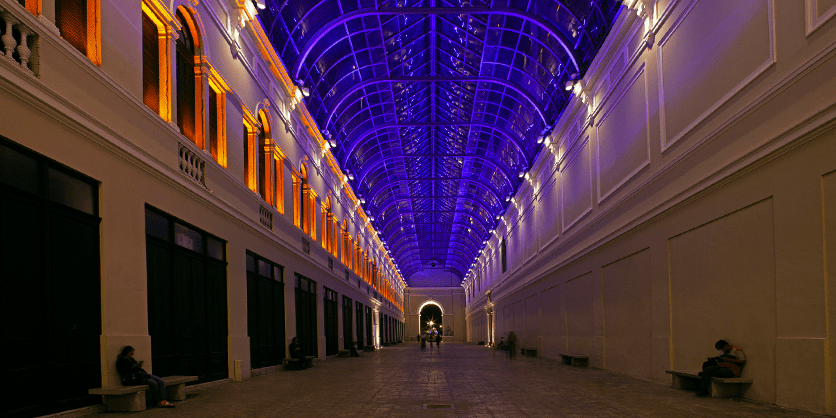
(345, 251)
(78, 23)
(326, 225)
(33, 6)
(156, 36)
(304, 200)
(265, 159)
(189, 82)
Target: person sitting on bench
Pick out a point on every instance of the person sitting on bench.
(132, 375)
(354, 352)
(728, 364)
(296, 352)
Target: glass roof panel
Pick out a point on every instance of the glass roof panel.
(436, 105)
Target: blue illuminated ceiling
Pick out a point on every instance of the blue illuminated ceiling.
(436, 106)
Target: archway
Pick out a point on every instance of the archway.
(430, 317)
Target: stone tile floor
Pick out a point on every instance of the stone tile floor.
(399, 381)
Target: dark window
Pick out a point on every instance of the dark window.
(213, 124)
(71, 20)
(187, 299)
(503, 255)
(150, 64)
(265, 311)
(306, 315)
(185, 80)
(50, 287)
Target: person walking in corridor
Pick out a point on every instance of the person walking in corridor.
(512, 345)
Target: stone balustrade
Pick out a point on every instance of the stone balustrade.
(20, 42)
(192, 165)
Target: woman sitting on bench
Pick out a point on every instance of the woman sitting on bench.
(132, 375)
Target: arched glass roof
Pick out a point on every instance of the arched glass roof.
(436, 105)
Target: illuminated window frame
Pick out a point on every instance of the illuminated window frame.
(166, 25)
(250, 156)
(265, 158)
(191, 24)
(93, 31)
(218, 86)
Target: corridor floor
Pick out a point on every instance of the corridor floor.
(403, 381)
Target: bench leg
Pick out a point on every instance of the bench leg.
(577, 362)
(132, 402)
(566, 360)
(722, 390)
(176, 392)
(685, 383)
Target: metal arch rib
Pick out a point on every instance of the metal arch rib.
(565, 42)
(459, 260)
(398, 241)
(475, 247)
(377, 162)
(455, 223)
(390, 202)
(388, 183)
(485, 226)
(431, 79)
(347, 152)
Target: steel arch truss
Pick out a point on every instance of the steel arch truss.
(436, 105)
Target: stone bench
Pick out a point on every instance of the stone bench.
(528, 352)
(344, 353)
(368, 348)
(573, 360)
(295, 361)
(721, 387)
(132, 398)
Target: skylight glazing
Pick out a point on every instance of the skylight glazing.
(436, 105)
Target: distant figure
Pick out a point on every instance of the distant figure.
(512, 345)
(354, 352)
(296, 352)
(728, 364)
(438, 341)
(423, 338)
(448, 332)
(132, 375)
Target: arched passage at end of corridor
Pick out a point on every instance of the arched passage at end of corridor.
(430, 316)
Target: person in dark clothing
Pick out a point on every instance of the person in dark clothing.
(296, 352)
(728, 364)
(438, 341)
(423, 338)
(512, 345)
(132, 374)
(354, 352)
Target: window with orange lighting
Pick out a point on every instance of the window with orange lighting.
(78, 23)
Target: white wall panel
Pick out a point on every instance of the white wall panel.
(579, 317)
(553, 322)
(576, 186)
(722, 286)
(737, 43)
(548, 207)
(818, 12)
(623, 137)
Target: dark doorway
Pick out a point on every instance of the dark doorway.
(187, 314)
(332, 344)
(431, 318)
(358, 318)
(306, 315)
(369, 336)
(49, 285)
(265, 311)
(348, 329)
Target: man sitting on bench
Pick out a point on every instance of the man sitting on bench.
(296, 352)
(728, 364)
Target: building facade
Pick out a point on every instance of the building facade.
(688, 196)
(162, 186)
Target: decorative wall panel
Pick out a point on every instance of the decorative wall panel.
(737, 249)
(532, 323)
(623, 141)
(548, 207)
(627, 314)
(576, 186)
(554, 322)
(818, 12)
(696, 78)
(579, 314)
